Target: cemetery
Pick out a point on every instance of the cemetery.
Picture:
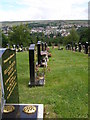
(44, 82)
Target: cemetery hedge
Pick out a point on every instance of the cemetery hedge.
(65, 94)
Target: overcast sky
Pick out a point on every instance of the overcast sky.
(20, 10)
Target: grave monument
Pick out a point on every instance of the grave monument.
(34, 80)
(38, 52)
(45, 46)
(44, 55)
(75, 46)
(79, 47)
(86, 48)
(10, 107)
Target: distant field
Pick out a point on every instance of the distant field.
(65, 94)
(9, 23)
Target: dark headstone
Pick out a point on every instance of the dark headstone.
(10, 97)
(9, 76)
(32, 65)
(69, 47)
(75, 46)
(17, 46)
(43, 55)
(79, 47)
(45, 46)
(38, 52)
(42, 46)
(86, 48)
(21, 47)
(14, 47)
(33, 80)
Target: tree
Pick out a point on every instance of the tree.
(74, 36)
(4, 40)
(83, 33)
(19, 35)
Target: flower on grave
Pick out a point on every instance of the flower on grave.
(48, 49)
(50, 55)
(39, 65)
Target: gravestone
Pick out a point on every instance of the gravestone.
(79, 47)
(86, 48)
(45, 46)
(17, 46)
(75, 46)
(42, 46)
(32, 64)
(69, 47)
(33, 79)
(39, 52)
(14, 47)
(9, 76)
(11, 109)
(21, 46)
(44, 55)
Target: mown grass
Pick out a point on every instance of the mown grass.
(65, 94)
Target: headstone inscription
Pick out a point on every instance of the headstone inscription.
(10, 98)
(9, 75)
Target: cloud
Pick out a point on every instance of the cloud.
(44, 10)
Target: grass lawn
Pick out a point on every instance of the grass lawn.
(65, 94)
